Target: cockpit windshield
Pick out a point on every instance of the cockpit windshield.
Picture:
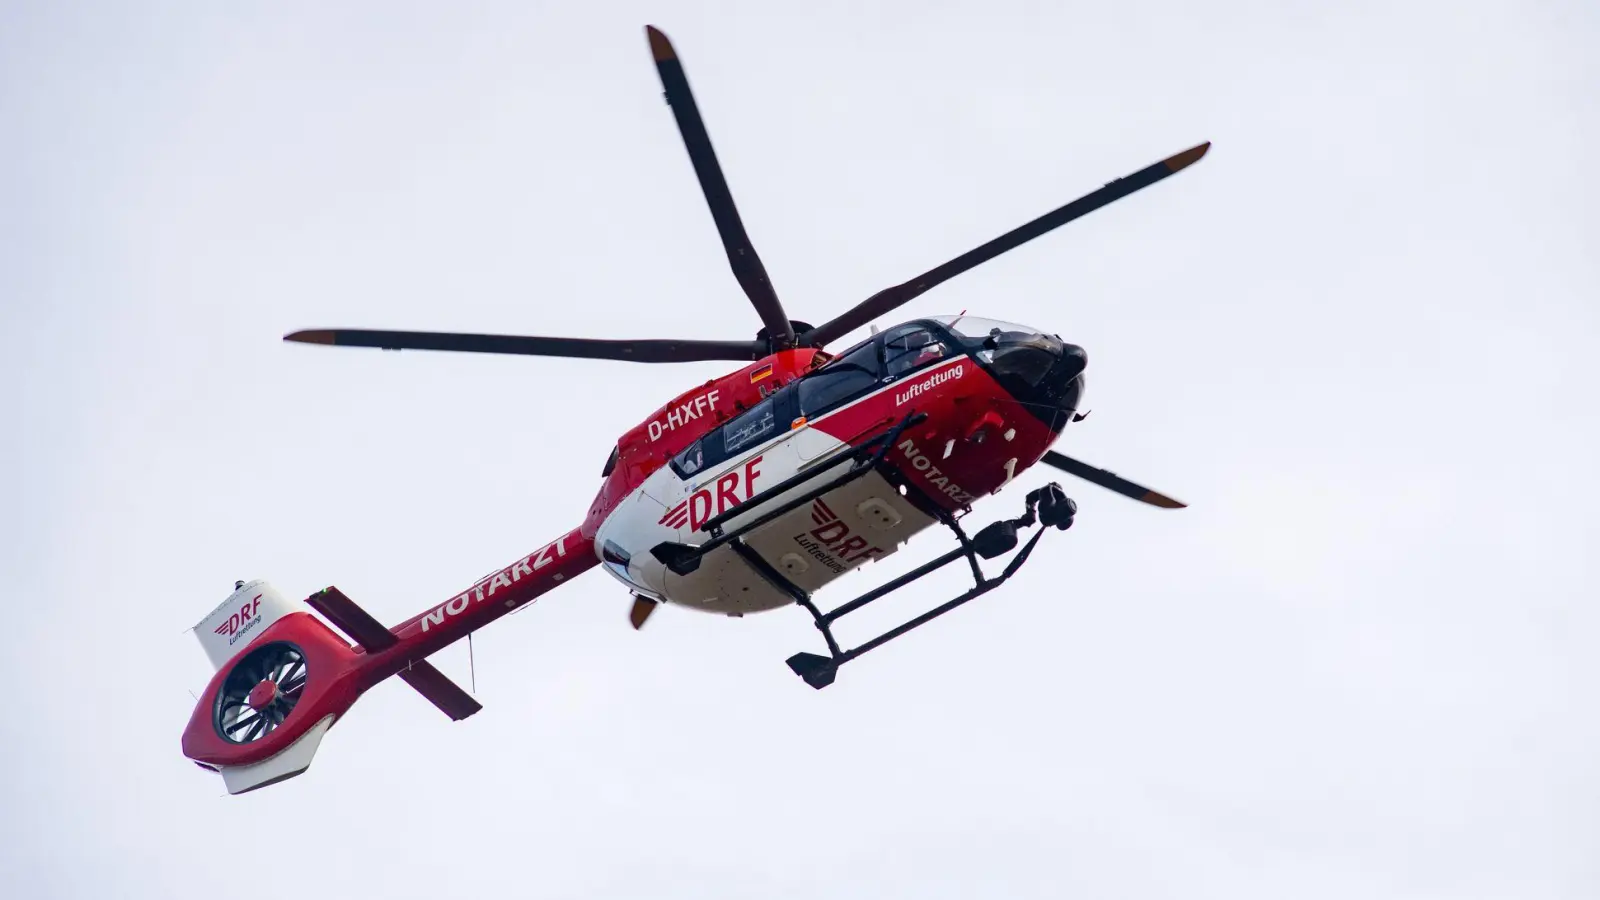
(975, 330)
(1027, 362)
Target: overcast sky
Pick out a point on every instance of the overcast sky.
(1357, 339)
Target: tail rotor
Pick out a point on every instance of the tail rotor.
(260, 692)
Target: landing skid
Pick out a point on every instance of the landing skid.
(1048, 506)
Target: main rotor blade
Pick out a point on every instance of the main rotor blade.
(1110, 480)
(891, 298)
(642, 608)
(741, 255)
(646, 351)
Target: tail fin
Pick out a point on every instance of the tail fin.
(284, 677)
(252, 607)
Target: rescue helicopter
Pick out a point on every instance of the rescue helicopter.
(748, 493)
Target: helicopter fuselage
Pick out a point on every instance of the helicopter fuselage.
(983, 413)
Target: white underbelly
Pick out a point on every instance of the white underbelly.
(809, 547)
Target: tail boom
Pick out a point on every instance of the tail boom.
(334, 674)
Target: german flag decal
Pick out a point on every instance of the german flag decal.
(761, 373)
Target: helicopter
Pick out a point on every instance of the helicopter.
(748, 493)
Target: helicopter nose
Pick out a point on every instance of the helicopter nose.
(1074, 359)
(1066, 378)
(1040, 369)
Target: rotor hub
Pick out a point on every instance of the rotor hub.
(262, 695)
(765, 337)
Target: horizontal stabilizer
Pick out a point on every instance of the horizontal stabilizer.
(440, 690)
(374, 638)
(352, 619)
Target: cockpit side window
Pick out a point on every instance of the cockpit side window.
(910, 347)
(845, 377)
(693, 457)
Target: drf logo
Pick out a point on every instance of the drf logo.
(831, 540)
(235, 622)
(720, 496)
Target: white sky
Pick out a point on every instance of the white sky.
(1357, 339)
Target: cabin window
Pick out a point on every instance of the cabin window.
(844, 378)
(748, 429)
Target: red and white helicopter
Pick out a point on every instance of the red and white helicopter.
(748, 493)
